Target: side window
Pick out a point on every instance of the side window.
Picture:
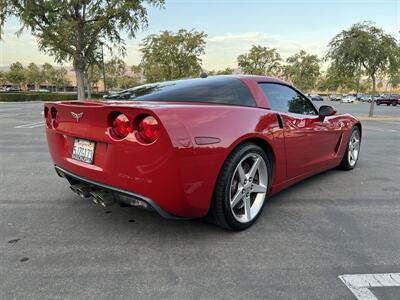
(283, 98)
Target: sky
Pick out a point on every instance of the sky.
(233, 26)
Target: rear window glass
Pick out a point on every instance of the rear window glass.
(221, 90)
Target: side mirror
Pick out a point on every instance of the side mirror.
(326, 111)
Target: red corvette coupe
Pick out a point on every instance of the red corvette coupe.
(215, 147)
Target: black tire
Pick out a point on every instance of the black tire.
(220, 210)
(378, 103)
(345, 163)
(394, 103)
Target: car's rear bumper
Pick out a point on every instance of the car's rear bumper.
(157, 173)
(96, 185)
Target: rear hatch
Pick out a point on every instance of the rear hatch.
(91, 119)
(82, 138)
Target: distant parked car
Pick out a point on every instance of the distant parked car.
(40, 91)
(335, 97)
(348, 99)
(388, 99)
(316, 97)
(366, 98)
(13, 89)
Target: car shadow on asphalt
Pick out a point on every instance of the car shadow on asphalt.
(133, 219)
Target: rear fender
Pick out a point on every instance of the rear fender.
(199, 165)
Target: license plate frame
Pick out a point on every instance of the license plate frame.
(83, 150)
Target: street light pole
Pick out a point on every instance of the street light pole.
(104, 70)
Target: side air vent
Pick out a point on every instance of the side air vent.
(280, 122)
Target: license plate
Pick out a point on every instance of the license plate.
(83, 150)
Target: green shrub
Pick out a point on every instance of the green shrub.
(37, 96)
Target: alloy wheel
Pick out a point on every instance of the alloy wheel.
(354, 148)
(248, 187)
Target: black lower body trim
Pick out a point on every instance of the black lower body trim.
(66, 174)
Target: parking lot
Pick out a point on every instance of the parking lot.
(55, 245)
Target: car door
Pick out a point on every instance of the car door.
(310, 143)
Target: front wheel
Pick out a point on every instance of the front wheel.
(350, 157)
(241, 188)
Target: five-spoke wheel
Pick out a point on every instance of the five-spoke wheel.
(242, 187)
(350, 157)
(248, 187)
(354, 148)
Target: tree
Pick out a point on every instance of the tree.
(137, 70)
(56, 77)
(94, 75)
(170, 55)
(302, 70)
(73, 30)
(49, 74)
(115, 68)
(394, 71)
(367, 48)
(16, 75)
(60, 78)
(226, 71)
(137, 73)
(125, 82)
(260, 61)
(394, 80)
(334, 79)
(3, 78)
(34, 75)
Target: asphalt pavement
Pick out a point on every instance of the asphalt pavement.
(54, 245)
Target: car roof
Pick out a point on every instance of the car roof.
(260, 78)
(256, 78)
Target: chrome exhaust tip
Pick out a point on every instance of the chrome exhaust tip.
(81, 190)
(95, 198)
(134, 202)
(105, 199)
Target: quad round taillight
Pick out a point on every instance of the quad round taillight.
(149, 129)
(51, 117)
(47, 117)
(55, 117)
(121, 126)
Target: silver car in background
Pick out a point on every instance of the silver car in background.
(348, 99)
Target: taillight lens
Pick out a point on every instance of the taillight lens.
(55, 117)
(47, 117)
(121, 126)
(149, 129)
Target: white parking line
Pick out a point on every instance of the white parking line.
(37, 125)
(11, 115)
(30, 125)
(380, 129)
(359, 284)
(387, 122)
(9, 109)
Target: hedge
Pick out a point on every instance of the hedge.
(37, 96)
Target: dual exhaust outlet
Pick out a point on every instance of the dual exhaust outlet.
(102, 197)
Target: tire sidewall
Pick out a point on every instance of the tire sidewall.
(231, 167)
(347, 164)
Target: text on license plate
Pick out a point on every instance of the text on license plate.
(83, 150)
